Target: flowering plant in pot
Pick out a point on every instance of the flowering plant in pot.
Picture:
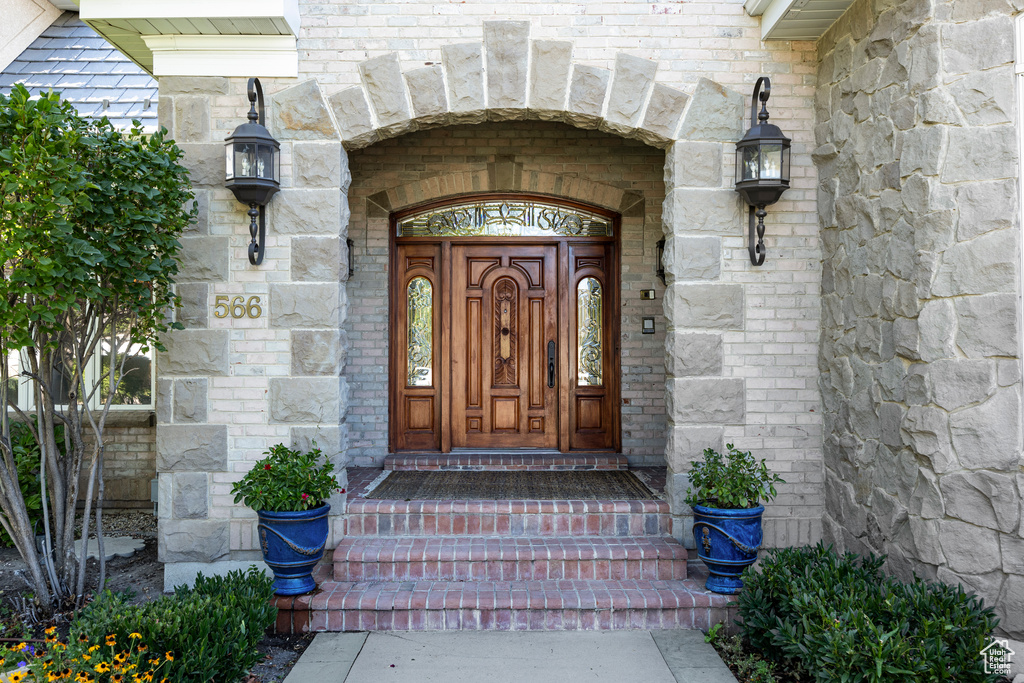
(289, 492)
(726, 494)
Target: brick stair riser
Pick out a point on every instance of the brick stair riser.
(510, 570)
(514, 525)
(506, 463)
(511, 620)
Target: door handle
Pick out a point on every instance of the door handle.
(551, 365)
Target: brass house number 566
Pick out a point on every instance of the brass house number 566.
(239, 307)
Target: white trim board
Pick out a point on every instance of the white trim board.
(268, 56)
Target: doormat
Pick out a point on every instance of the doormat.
(490, 485)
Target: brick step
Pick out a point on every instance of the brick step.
(504, 606)
(469, 558)
(506, 461)
(507, 518)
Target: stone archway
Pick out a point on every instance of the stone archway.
(510, 77)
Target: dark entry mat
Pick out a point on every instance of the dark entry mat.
(563, 485)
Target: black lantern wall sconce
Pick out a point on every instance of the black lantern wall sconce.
(660, 270)
(762, 167)
(254, 169)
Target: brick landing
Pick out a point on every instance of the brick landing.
(504, 565)
(507, 462)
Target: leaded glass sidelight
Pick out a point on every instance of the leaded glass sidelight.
(505, 218)
(589, 356)
(420, 336)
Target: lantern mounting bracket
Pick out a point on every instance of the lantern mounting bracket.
(762, 167)
(253, 168)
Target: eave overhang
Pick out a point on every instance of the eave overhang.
(201, 37)
(796, 19)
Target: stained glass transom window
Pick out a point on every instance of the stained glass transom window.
(588, 332)
(505, 218)
(420, 333)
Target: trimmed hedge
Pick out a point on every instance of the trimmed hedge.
(839, 619)
(211, 630)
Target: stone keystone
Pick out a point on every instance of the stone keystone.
(382, 77)
(507, 44)
(301, 113)
(631, 84)
(715, 113)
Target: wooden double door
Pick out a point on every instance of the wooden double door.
(504, 345)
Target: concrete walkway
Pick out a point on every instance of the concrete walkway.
(510, 657)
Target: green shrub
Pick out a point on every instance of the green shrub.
(839, 619)
(211, 630)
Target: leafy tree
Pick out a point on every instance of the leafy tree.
(88, 252)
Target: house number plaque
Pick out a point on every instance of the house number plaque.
(236, 307)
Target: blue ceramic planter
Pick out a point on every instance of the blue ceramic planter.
(727, 542)
(293, 544)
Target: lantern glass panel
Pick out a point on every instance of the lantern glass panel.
(785, 163)
(229, 154)
(748, 163)
(245, 160)
(771, 161)
(265, 162)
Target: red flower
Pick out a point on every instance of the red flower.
(305, 496)
(267, 466)
(341, 490)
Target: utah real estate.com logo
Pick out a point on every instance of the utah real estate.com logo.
(997, 656)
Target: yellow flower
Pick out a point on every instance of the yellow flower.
(18, 676)
(142, 647)
(50, 631)
(112, 640)
(19, 647)
(120, 657)
(94, 648)
(155, 662)
(86, 657)
(51, 639)
(102, 668)
(51, 677)
(134, 636)
(169, 655)
(116, 678)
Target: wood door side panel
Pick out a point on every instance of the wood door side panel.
(415, 410)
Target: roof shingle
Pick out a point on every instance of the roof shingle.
(70, 58)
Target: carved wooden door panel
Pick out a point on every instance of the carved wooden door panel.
(505, 346)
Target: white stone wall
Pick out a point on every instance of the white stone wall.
(676, 76)
(920, 348)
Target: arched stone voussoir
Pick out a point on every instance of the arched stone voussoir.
(301, 112)
(626, 101)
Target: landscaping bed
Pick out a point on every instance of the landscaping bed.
(141, 576)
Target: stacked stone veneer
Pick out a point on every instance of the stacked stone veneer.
(920, 334)
(740, 342)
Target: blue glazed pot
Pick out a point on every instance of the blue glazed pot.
(293, 544)
(727, 542)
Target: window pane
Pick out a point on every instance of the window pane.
(511, 218)
(136, 386)
(13, 370)
(771, 161)
(420, 333)
(588, 331)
